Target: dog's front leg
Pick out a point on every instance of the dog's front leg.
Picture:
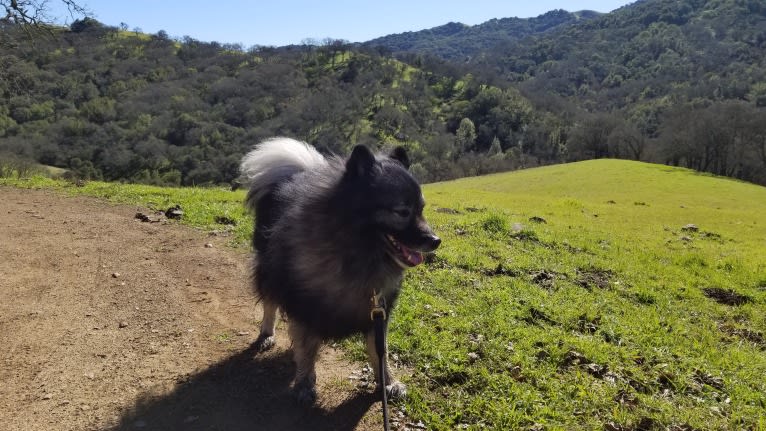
(395, 388)
(265, 339)
(305, 350)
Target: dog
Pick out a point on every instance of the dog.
(329, 234)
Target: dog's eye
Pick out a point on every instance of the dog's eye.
(403, 213)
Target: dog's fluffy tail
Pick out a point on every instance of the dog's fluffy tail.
(274, 161)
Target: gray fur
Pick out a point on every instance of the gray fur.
(321, 236)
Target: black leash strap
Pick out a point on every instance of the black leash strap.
(378, 315)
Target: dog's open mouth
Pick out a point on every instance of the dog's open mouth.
(404, 255)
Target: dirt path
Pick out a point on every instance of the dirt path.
(110, 323)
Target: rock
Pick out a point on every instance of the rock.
(147, 218)
(447, 211)
(473, 357)
(225, 220)
(115, 274)
(174, 212)
(208, 245)
(690, 228)
(47, 396)
(537, 219)
(123, 324)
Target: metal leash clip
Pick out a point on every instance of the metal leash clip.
(378, 306)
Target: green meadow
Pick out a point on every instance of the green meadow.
(603, 294)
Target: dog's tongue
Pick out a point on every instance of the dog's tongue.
(413, 257)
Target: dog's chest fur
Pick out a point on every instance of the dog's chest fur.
(322, 268)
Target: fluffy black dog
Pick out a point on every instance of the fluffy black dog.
(329, 234)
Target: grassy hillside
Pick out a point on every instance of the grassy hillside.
(597, 316)
(602, 313)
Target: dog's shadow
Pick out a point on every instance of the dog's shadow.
(246, 391)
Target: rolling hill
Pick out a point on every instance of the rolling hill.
(460, 42)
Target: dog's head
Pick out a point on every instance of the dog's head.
(388, 200)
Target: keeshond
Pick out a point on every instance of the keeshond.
(330, 233)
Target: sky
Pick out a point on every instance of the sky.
(285, 22)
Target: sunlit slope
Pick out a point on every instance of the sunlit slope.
(624, 200)
(607, 308)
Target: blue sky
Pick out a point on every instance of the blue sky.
(283, 22)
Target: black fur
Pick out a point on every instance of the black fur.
(335, 220)
(322, 239)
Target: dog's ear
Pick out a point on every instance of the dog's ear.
(400, 155)
(360, 163)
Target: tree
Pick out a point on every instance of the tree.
(37, 12)
(32, 17)
(495, 149)
(627, 141)
(590, 139)
(465, 138)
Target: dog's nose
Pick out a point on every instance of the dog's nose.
(434, 242)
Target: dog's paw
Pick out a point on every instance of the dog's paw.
(305, 393)
(264, 342)
(396, 390)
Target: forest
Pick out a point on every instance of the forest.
(682, 83)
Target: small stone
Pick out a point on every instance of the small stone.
(208, 245)
(115, 274)
(690, 228)
(243, 333)
(473, 357)
(47, 396)
(174, 212)
(123, 324)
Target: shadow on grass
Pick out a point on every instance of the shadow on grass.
(243, 392)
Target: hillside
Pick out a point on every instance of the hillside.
(680, 83)
(575, 297)
(110, 104)
(459, 42)
(677, 82)
(603, 294)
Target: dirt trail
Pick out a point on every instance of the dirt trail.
(110, 323)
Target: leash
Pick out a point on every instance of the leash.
(378, 316)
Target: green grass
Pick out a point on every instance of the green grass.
(597, 315)
(594, 316)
